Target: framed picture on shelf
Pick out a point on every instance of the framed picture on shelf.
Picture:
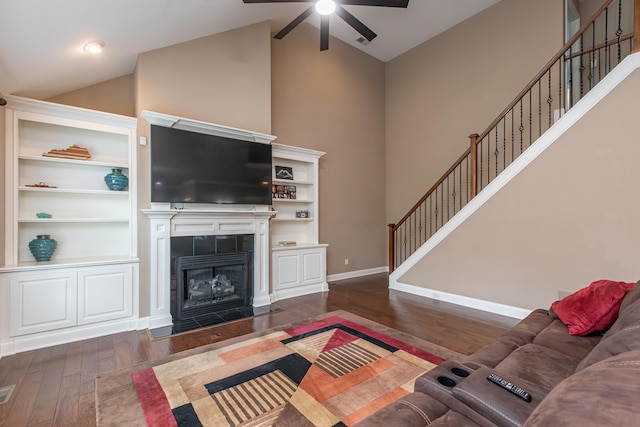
(283, 191)
(284, 172)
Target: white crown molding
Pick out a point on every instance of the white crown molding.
(175, 122)
(66, 111)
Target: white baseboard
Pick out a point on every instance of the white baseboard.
(358, 273)
(39, 340)
(298, 291)
(159, 321)
(478, 304)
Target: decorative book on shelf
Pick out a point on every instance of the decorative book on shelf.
(286, 243)
(74, 152)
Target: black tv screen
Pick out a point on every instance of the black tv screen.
(191, 167)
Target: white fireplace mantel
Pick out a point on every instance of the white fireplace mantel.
(166, 222)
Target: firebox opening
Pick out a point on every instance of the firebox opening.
(211, 280)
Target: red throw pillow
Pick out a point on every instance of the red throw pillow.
(592, 309)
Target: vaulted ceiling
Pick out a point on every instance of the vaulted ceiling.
(41, 51)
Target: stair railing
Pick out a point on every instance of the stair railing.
(600, 44)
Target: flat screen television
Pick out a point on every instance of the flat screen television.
(191, 167)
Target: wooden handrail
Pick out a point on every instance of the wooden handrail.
(475, 139)
(598, 47)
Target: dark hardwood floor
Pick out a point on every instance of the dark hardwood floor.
(55, 386)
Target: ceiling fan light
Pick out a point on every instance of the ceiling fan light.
(94, 47)
(325, 7)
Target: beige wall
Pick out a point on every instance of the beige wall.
(568, 219)
(113, 96)
(455, 85)
(223, 79)
(333, 101)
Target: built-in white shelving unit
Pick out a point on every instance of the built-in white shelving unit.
(90, 285)
(301, 268)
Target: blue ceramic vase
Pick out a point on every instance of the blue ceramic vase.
(43, 247)
(116, 180)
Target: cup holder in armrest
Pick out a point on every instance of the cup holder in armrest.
(459, 372)
(446, 381)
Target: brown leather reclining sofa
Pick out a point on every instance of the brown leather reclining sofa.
(572, 380)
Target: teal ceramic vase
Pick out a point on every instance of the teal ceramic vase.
(43, 247)
(116, 180)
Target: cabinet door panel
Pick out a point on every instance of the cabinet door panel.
(313, 268)
(288, 271)
(105, 294)
(42, 302)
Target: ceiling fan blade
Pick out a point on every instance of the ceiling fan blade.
(324, 32)
(300, 19)
(385, 3)
(355, 23)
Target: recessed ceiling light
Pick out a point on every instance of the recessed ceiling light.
(95, 46)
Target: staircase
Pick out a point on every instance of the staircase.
(515, 137)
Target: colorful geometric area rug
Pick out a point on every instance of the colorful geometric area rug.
(333, 371)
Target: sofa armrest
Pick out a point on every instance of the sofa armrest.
(493, 402)
(440, 382)
(412, 410)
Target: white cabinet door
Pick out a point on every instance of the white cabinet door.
(42, 302)
(287, 269)
(313, 266)
(299, 271)
(105, 293)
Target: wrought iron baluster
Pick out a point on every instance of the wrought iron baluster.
(521, 126)
(550, 99)
(530, 118)
(570, 81)
(560, 98)
(592, 56)
(454, 191)
(448, 202)
(496, 153)
(442, 198)
(539, 109)
(512, 134)
(504, 143)
(607, 51)
(488, 157)
(619, 30)
(581, 66)
(436, 210)
(468, 177)
(479, 157)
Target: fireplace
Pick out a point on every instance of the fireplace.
(210, 283)
(210, 274)
(202, 230)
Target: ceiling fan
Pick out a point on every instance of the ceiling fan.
(325, 8)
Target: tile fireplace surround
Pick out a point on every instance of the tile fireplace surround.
(167, 222)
